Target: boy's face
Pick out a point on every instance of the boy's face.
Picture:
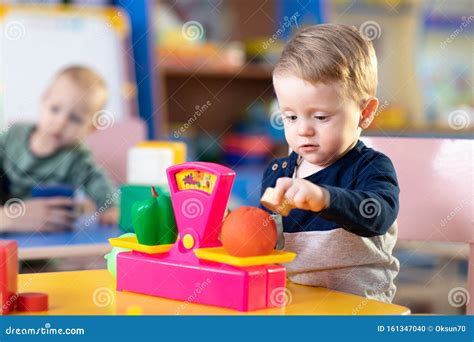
(65, 118)
(320, 123)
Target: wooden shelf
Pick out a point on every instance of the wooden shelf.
(230, 90)
(249, 71)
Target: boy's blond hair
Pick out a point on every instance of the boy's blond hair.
(94, 87)
(332, 52)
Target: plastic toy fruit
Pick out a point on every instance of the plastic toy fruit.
(249, 231)
(153, 220)
(111, 257)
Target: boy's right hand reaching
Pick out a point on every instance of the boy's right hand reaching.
(290, 193)
(39, 214)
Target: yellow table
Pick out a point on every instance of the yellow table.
(93, 293)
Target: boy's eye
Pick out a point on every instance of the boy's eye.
(321, 117)
(291, 117)
(55, 109)
(74, 118)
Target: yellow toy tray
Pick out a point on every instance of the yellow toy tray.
(131, 242)
(219, 254)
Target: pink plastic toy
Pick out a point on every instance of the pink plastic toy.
(199, 192)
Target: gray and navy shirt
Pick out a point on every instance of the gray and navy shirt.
(347, 246)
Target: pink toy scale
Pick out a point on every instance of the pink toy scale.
(199, 192)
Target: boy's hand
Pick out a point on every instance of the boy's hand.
(85, 206)
(300, 193)
(39, 214)
(109, 217)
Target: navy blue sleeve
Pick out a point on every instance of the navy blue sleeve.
(371, 206)
(266, 180)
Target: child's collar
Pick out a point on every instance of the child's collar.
(294, 160)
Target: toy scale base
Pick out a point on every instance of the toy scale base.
(211, 283)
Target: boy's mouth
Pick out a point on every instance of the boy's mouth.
(56, 136)
(308, 147)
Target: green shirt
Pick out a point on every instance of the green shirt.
(72, 165)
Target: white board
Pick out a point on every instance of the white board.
(38, 41)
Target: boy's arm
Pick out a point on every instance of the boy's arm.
(96, 184)
(3, 176)
(3, 138)
(264, 184)
(372, 207)
(4, 220)
(278, 219)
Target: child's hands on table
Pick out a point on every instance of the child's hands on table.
(109, 217)
(38, 214)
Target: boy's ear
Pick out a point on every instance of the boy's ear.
(91, 127)
(369, 109)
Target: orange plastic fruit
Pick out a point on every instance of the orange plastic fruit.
(249, 231)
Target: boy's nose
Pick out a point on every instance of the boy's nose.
(305, 129)
(60, 123)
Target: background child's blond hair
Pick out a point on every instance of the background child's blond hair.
(332, 52)
(94, 87)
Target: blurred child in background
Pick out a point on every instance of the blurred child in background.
(52, 152)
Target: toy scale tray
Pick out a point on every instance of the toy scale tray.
(219, 254)
(131, 242)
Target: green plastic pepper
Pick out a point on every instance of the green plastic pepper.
(153, 220)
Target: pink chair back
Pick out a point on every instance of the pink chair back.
(110, 146)
(436, 190)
